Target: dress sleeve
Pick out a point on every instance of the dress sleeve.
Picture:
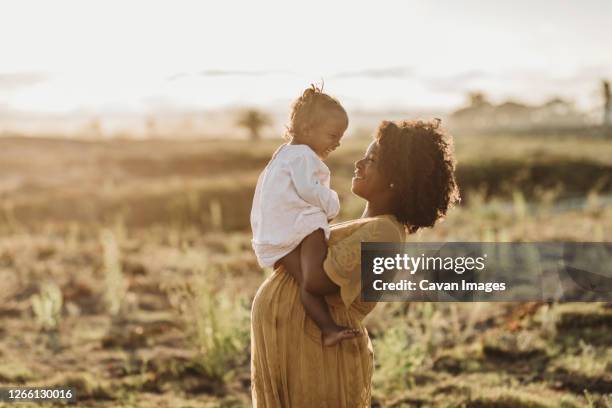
(305, 174)
(343, 262)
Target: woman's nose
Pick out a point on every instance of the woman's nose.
(359, 164)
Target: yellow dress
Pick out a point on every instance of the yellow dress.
(290, 368)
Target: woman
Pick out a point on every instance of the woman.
(407, 179)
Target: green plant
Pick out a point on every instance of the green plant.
(404, 349)
(221, 330)
(47, 307)
(589, 399)
(216, 215)
(115, 284)
(398, 356)
(590, 361)
(217, 324)
(7, 216)
(519, 205)
(547, 318)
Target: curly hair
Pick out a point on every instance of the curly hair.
(308, 108)
(417, 158)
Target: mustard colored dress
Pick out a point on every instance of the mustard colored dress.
(290, 368)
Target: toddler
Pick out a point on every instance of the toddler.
(293, 199)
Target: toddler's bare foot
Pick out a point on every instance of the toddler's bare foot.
(335, 335)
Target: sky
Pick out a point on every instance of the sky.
(140, 56)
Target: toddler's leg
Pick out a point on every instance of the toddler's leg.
(315, 285)
(317, 309)
(292, 265)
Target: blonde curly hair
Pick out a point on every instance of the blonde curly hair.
(310, 107)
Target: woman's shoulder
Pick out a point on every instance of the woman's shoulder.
(343, 261)
(384, 228)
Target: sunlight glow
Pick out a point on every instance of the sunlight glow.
(138, 55)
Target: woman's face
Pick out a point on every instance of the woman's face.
(368, 181)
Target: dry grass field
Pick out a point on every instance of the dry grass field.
(126, 272)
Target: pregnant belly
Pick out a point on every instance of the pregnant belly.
(277, 307)
(275, 300)
(289, 365)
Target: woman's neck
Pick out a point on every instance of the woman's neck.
(375, 209)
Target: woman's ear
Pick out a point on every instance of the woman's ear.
(394, 191)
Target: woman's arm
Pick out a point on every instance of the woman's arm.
(313, 253)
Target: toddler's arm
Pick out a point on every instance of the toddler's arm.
(304, 175)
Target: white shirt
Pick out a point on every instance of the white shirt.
(292, 199)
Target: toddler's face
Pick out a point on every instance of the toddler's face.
(325, 136)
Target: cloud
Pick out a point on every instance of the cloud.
(529, 85)
(456, 83)
(225, 73)
(17, 80)
(378, 73)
